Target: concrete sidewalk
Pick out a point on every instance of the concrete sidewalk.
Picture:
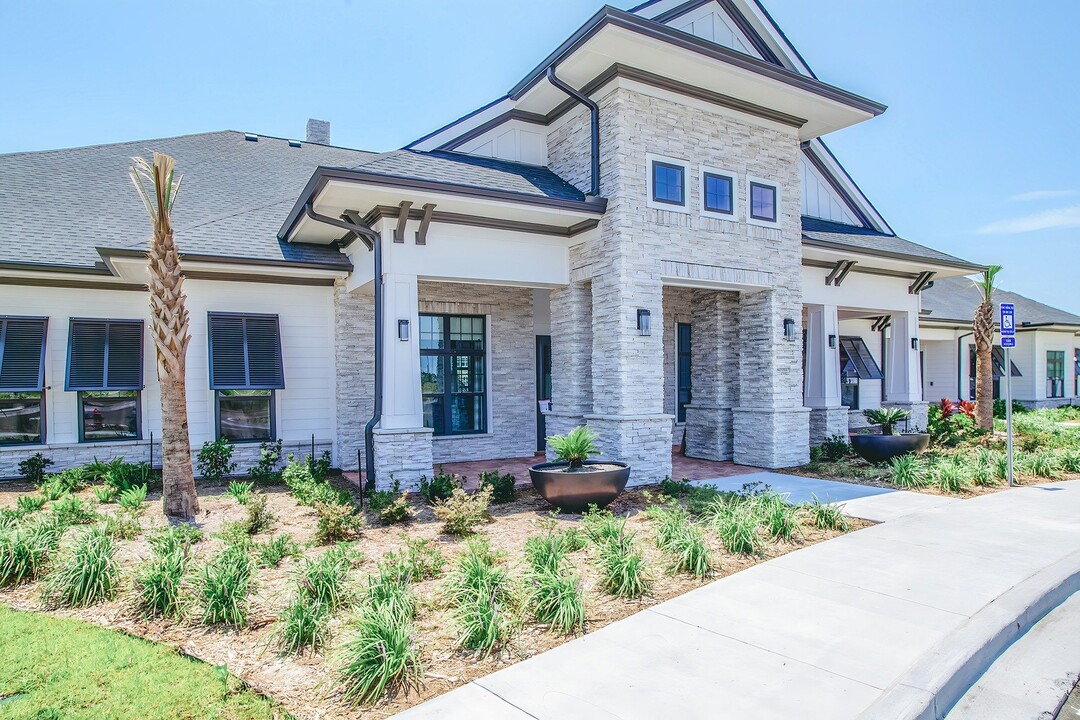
(893, 621)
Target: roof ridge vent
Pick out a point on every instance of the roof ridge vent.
(294, 143)
(251, 137)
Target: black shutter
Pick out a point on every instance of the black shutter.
(22, 360)
(105, 355)
(245, 352)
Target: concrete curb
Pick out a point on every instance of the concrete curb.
(934, 684)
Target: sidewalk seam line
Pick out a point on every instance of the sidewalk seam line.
(500, 697)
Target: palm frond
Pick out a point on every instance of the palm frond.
(986, 282)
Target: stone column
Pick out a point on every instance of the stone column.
(402, 443)
(771, 425)
(571, 358)
(828, 417)
(628, 372)
(902, 377)
(715, 375)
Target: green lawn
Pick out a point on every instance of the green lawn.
(59, 668)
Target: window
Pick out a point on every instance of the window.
(682, 375)
(668, 185)
(22, 380)
(453, 376)
(1055, 374)
(245, 369)
(997, 362)
(718, 193)
(105, 367)
(856, 363)
(762, 202)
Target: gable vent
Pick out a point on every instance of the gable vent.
(251, 137)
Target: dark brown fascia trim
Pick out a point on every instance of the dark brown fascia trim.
(232, 260)
(825, 245)
(98, 269)
(825, 173)
(389, 211)
(270, 279)
(452, 123)
(594, 206)
(66, 283)
(737, 17)
(619, 18)
(528, 117)
(861, 269)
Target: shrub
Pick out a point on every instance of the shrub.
(556, 600)
(320, 468)
(999, 408)
(223, 587)
(302, 625)
(503, 487)
(440, 487)
(25, 550)
(71, 479)
(215, 460)
(118, 474)
(386, 590)
(701, 498)
(390, 506)
(123, 526)
(276, 549)
(309, 490)
(70, 510)
(907, 472)
(133, 498)
(623, 570)
(325, 580)
(827, 516)
(27, 504)
(337, 522)
(419, 560)
(89, 574)
(674, 488)
(105, 493)
(259, 518)
(575, 447)
(158, 584)
(32, 469)
(265, 471)
(462, 512)
(379, 658)
(175, 537)
(836, 448)
(241, 491)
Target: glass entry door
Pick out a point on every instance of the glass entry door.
(543, 388)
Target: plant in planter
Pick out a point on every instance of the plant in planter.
(574, 482)
(884, 447)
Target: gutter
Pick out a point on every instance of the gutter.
(374, 242)
(594, 113)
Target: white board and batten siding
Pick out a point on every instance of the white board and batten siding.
(305, 315)
(820, 200)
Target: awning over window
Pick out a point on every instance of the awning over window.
(105, 355)
(245, 352)
(22, 354)
(998, 357)
(855, 358)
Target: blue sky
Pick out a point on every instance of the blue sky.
(978, 154)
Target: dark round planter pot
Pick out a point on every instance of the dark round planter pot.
(878, 449)
(575, 491)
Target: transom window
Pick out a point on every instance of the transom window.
(22, 380)
(453, 373)
(763, 202)
(719, 193)
(105, 368)
(245, 370)
(669, 183)
(1055, 374)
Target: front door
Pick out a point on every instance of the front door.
(543, 387)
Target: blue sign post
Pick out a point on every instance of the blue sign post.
(1008, 340)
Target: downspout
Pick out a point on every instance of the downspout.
(594, 111)
(374, 241)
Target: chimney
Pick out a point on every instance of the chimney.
(318, 131)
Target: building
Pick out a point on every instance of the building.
(648, 231)
(1045, 363)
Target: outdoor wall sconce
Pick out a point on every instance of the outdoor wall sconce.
(644, 322)
(403, 330)
(832, 341)
(789, 329)
(914, 343)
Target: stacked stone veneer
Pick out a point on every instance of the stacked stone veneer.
(637, 246)
(715, 375)
(354, 348)
(80, 454)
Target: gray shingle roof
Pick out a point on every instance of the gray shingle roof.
(867, 240)
(57, 206)
(957, 298)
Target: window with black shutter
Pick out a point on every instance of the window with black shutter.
(245, 369)
(22, 380)
(105, 359)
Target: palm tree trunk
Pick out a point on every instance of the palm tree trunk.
(983, 330)
(177, 478)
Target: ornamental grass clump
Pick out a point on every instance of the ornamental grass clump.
(555, 599)
(133, 498)
(223, 587)
(389, 591)
(175, 537)
(779, 518)
(624, 572)
(736, 524)
(27, 504)
(827, 516)
(276, 549)
(419, 560)
(483, 599)
(951, 476)
(88, 574)
(241, 491)
(106, 494)
(159, 583)
(379, 659)
(325, 580)
(25, 549)
(302, 626)
(908, 472)
(70, 510)
(601, 526)
(461, 513)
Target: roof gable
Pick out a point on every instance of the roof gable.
(709, 21)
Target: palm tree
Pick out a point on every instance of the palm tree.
(983, 330)
(158, 188)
